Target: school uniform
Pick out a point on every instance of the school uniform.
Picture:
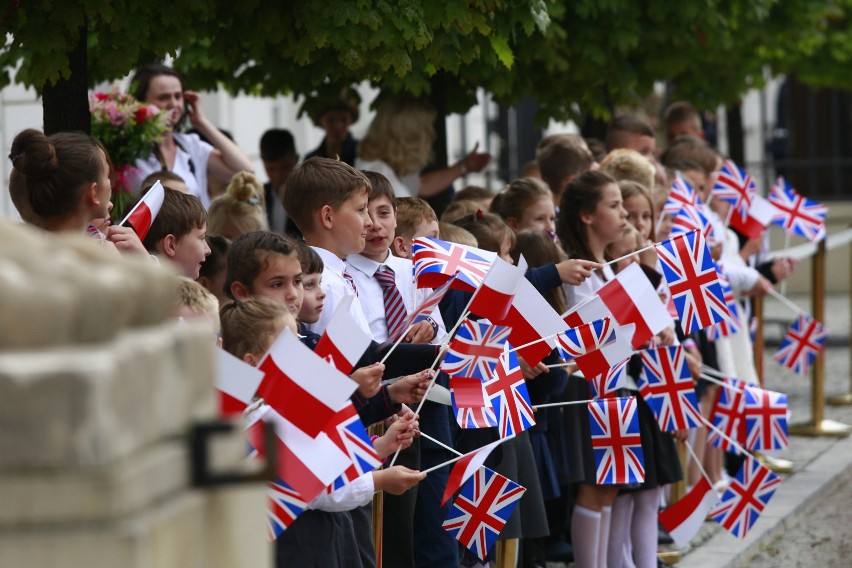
(337, 286)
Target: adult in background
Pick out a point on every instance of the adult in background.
(398, 145)
(335, 116)
(279, 156)
(185, 154)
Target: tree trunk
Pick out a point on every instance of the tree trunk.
(437, 98)
(736, 143)
(66, 102)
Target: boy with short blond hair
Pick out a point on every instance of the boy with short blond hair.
(177, 233)
(414, 218)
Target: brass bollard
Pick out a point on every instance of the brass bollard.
(759, 344)
(819, 426)
(378, 505)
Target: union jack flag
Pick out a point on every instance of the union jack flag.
(745, 499)
(616, 442)
(470, 408)
(690, 218)
(803, 342)
(735, 186)
(475, 350)
(506, 391)
(603, 385)
(766, 419)
(728, 416)
(284, 504)
(585, 338)
(680, 194)
(798, 215)
(435, 261)
(666, 385)
(732, 324)
(693, 281)
(482, 509)
(347, 432)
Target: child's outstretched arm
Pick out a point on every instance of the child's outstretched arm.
(397, 479)
(574, 271)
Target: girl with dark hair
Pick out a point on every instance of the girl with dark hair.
(187, 155)
(61, 183)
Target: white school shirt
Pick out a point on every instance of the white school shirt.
(191, 147)
(355, 494)
(336, 288)
(372, 298)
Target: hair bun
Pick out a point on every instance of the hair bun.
(245, 187)
(33, 155)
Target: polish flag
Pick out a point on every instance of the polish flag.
(754, 220)
(467, 466)
(301, 386)
(142, 216)
(532, 318)
(343, 342)
(630, 298)
(494, 296)
(598, 362)
(236, 383)
(683, 519)
(306, 464)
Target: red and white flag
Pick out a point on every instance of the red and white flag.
(236, 383)
(532, 318)
(306, 464)
(467, 466)
(683, 519)
(142, 216)
(301, 386)
(601, 361)
(494, 296)
(629, 298)
(343, 342)
(753, 221)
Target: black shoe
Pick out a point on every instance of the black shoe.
(663, 537)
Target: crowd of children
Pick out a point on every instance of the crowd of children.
(349, 235)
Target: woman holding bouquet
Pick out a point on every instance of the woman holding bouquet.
(185, 154)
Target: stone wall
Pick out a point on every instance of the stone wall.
(98, 389)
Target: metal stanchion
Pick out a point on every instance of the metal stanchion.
(819, 426)
(846, 398)
(759, 344)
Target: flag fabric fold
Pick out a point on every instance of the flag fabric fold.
(343, 343)
(348, 433)
(482, 509)
(466, 466)
(494, 296)
(728, 416)
(475, 350)
(436, 261)
(616, 442)
(605, 384)
(283, 505)
(142, 216)
(746, 497)
(631, 299)
(236, 383)
(765, 414)
(666, 385)
(470, 407)
(506, 392)
(693, 281)
(753, 221)
(585, 338)
(531, 318)
(796, 214)
(683, 519)
(301, 386)
(804, 340)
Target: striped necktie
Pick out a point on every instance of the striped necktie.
(395, 312)
(351, 281)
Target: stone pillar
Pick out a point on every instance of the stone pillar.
(98, 390)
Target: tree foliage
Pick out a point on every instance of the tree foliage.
(574, 57)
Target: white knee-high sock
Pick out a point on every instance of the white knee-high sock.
(644, 527)
(619, 530)
(585, 534)
(603, 542)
